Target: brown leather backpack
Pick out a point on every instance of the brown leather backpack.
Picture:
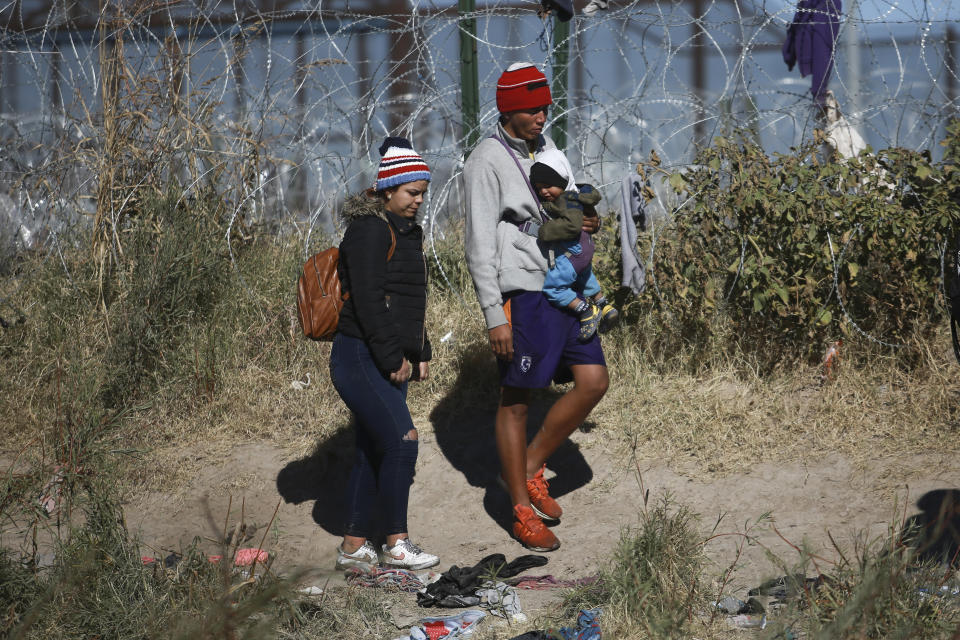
(319, 298)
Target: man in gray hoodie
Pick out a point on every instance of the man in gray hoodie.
(533, 341)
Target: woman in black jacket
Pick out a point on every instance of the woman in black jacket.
(381, 343)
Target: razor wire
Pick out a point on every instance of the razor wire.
(298, 95)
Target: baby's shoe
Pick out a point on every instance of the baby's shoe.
(589, 321)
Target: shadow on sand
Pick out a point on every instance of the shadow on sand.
(322, 476)
(463, 423)
(935, 531)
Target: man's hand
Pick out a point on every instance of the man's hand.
(501, 342)
(591, 224)
(402, 374)
(424, 371)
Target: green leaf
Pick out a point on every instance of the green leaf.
(825, 317)
(780, 291)
(677, 182)
(853, 268)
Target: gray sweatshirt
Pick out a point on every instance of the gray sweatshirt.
(500, 257)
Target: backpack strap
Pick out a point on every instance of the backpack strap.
(393, 242)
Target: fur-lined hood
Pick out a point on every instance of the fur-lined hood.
(360, 205)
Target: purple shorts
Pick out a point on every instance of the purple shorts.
(545, 343)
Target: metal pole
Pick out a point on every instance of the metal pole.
(951, 64)
(469, 78)
(561, 79)
(698, 73)
(851, 46)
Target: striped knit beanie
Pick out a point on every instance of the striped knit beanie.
(400, 164)
(522, 86)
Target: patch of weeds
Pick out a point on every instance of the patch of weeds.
(18, 588)
(172, 274)
(346, 613)
(99, 587)
(880, 592)
(653, 581)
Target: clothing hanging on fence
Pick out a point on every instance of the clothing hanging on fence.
(634, 215)
(811, 39)
(840, 134)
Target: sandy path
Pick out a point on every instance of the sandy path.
(452, 516)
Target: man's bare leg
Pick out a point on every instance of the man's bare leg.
(511, 436)
(590, 382)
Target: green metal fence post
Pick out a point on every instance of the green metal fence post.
(469, 80)
(558, 89)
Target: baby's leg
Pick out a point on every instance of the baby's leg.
(557, 285)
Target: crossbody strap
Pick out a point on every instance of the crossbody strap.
(540, 212)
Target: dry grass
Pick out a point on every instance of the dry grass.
(228, 381)
(224, 381)
(726, 420)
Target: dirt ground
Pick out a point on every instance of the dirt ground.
(458, 512)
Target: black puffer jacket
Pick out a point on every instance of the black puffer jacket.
(388, 300)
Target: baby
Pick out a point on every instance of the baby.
(570, 283)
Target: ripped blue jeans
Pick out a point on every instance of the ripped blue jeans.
(386, 457)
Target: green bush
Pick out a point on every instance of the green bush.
(173, 273)
(793, 250)
(653, 581)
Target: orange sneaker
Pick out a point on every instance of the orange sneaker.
(531, 532)
(543, 505)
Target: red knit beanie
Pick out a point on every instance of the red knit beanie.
(522, 86)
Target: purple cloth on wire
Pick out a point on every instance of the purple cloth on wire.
(811, 40)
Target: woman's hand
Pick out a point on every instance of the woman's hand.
(591, 224)
(424, 371)
(501, 342)
(402, 374)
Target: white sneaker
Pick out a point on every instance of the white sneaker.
(594, 6)
(406, 555)
(364, 558)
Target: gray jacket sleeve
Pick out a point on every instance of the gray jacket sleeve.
(482, 196)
